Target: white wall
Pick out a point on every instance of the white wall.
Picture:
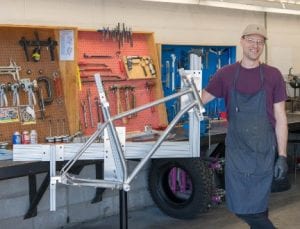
(171, 23)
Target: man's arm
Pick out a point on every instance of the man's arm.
(281, 128)
(206, 97)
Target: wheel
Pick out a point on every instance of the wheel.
(181, 187)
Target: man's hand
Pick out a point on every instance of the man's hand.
(281, 168)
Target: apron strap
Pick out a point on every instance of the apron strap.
(236, 76)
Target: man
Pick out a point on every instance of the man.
(255, 97)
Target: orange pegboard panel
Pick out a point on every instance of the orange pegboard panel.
(93, 50)
(12, 50)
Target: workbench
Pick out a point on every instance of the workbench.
(13, 169)
(10, 169)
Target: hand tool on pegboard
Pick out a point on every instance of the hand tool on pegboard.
(3, 97)
(120, 63)
(78, 79)
(27, 114)
(218, 53)
(50, 138)
(95, 69)
(36, 53)
(116, 90)
(58, 87)
(195, 58)
(118, 34)
(149, 63)
(133, 100)
(41, 103)
(143, 65)
(44, 82)
(130, 61)
(12, 69)
(95, 56)
(37, 44)
(83, 108)
(14, 88)
(130, 37)
(29, 86)
(173, 57)
(25, 44)
(128, 101)
(206, 58)
(104, 78)
(149, 86)
(167, 80)
(99, 110)
(88, 64)
(88, 96)
(51, 46)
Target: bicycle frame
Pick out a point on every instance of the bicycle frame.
(118, 177)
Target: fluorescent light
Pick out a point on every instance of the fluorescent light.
(230, 5)
(249, 7)
(195, 2)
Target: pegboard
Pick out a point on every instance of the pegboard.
(107, 53)
(12, 50)
(206, 59)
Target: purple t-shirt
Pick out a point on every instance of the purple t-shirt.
(249, 82)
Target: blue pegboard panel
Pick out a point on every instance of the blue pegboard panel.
(178, 56)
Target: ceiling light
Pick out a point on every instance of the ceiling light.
(238, 6)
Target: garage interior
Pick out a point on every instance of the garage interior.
(69, 139)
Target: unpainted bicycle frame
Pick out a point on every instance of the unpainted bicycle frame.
(122, 178)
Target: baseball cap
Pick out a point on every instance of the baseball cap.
(255, 29)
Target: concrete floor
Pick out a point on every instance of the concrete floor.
(284, 212)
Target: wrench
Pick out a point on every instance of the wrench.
(90, 106)
(133, 100)
(119, 104)
(149, 86)
(173, 71)
(167, 74)
(83, 106)
(127, 99)
(99, 112)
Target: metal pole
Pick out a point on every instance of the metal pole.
(123, 209)
(52, 182)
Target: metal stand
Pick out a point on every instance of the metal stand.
(123, 209)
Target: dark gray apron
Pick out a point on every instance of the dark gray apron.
(250, 151)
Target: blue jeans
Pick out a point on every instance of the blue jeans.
(257, 221)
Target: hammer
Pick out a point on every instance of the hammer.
(149, 86)
(116, 89)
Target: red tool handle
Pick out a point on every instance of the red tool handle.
(121, 66)
(58, 87)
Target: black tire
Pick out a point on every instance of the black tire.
(197, 195)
